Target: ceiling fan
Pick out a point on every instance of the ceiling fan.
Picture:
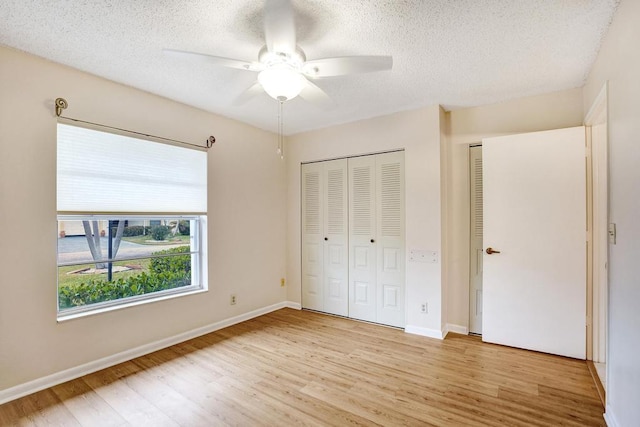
(282, 67)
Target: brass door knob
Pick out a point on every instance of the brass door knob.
(492, 251)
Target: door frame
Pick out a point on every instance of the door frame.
(404, 236)
(597, 222)
(598, 191)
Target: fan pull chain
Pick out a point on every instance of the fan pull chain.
(280, 130)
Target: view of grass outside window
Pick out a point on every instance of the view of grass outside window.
(106, 259)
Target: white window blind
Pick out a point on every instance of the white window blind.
(105, 172)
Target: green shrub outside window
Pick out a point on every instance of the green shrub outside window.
(164, 273)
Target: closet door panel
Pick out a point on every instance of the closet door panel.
(390, 252)
(336, 251)
(312, 236)
(362, 233)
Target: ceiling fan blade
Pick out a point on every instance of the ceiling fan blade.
(279, 26)
(246, 96)
(313, 94)
(330, 67)
(216, 60)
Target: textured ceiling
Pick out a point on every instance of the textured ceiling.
(456, 53)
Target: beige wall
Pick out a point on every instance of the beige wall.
(619, 63)
(468, 126)
(418, 133)
(246, 222)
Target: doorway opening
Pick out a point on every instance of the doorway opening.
(598, 236)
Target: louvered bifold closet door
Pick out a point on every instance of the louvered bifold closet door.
(476, 246)
(312, 236)
(353, 237)
(362, 238)
(390, 242)
(336, 270)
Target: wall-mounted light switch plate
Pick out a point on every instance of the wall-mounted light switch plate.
(419, 255)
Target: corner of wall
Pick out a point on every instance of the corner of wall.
(609, 418)
(457, 329)
(438, 334)
(445, 182)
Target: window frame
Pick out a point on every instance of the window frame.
(177, 209)
(198, 265)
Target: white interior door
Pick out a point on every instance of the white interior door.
(362, 234)
(476, 248)
(336, 269)
(312, 236)
(390, 238)
(535, 215)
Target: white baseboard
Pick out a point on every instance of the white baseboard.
(425, 332)
(609, 418)
(33, 386)
(434, 333)
(457, 329)
(294, 305)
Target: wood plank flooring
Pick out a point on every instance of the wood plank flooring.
(303, 368)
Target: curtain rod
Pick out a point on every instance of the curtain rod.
(62, 104)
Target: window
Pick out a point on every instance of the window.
(131, 220)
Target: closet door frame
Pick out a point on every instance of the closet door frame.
(376, 263)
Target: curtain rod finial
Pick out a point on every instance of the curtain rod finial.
(210, 141)
(61, 104)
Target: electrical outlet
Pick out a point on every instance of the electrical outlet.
(282, 282)
(233, 299)
(424, 308)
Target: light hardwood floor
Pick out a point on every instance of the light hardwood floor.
(291, 367)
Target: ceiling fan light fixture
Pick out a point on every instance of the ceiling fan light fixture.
(281, 82)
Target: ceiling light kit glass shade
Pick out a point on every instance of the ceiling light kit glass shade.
(281, 82)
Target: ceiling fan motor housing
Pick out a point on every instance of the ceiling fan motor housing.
(294, 59)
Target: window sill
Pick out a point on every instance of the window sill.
(62, 317)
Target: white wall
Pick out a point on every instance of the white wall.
(619, 63)
(468, 126)
(246, 224)
(418, 133)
